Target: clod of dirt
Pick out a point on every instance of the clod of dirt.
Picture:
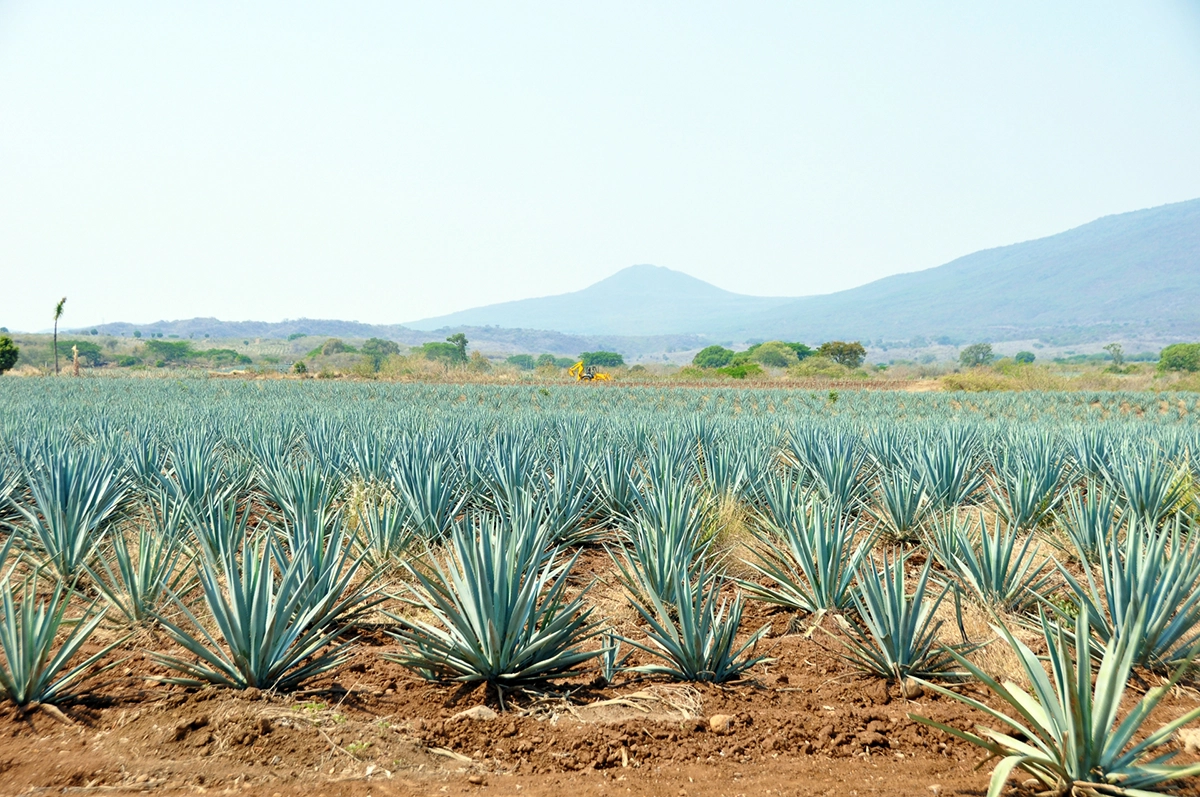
(477, 780)
(878, 693)
(480, 713)
(720, 723)
(1190, 738)
(911, 689)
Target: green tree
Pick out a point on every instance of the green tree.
(9, 353)
(334, 346)
(975, 355)
(379, 350)
(89, 353)
(299, 367)
(801, 350)
(603, 359)
(524, 361)
(850, 355)
(459, 341)
(545, 360)
(58, 312)
(442, 352)
(137, 333)
(1025, 357)
(1180, 357)
(1117, 353)
(166, 351)
(713, 357)
(774, 354)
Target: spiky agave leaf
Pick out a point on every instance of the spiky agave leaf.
(1065, 733)
(1152, 578)
(696, 636)
(278, 623)
(137, 576)
(33, 670)
(810, 562)
(998, 572)
(895, 634)
(501, 614)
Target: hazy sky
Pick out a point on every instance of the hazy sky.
(388, 161)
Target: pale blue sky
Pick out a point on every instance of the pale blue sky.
(385, 161)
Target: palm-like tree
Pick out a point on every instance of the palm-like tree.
(58, 311)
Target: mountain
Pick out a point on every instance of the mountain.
(1135, 274)
(638, 300)
(1132, 275)
(492, 340)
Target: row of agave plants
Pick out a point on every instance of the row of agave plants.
(257, 554)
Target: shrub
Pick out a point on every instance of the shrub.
(379, 350)
(1180, 357)
(1024, 357)
(479, 363)
(713, 357)
(9, 353)
(523, 361)
(168, 352)
(774, 354)
(603, 359)
(741, 371)
(89, 353)
(333, 346)
(850, 355)
(442, 352)
(299, 367)
(975, 355)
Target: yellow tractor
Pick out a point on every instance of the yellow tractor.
(587, 373)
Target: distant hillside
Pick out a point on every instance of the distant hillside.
(1134, 275)
(491, 340)
(638, 300)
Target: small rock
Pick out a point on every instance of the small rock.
(252, 694)
(911, 689)
(720, 723)
(1190, 738)
(477, 780)
(936, 789)
(481, 713)
(141, 778)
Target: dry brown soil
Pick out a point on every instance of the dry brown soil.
(806, 724)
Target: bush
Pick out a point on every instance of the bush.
(89, 353)
(603, 359)
(819, 365)
(1180, 357)
(975, 355)
(442, 352)
(713, 357)
(774, 354)
(127, 360)
(850, 355)
(479, 363)
(9, 353)
(1024, 357)
(523, 361)
(741, 371)
(299, 367)
(801, 351)
(168, 352)
(379, 350)
(332, 346)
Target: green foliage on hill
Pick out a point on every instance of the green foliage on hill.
(841, 352)
(378, 350)
(9, 352)
(89, 353)
(1025, 357)
(603, 359)
(713, 357)
(550, 361)
(741, 371)
(442, 352)
(166, 352)
(1180, 357)
(523, 361)
(975, 355)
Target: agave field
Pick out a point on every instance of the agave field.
(354, 586)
